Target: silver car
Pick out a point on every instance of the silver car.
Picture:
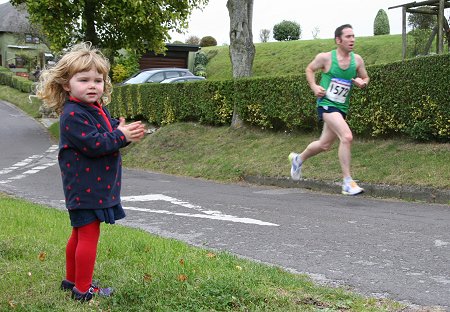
(183, 79)
(157, 75)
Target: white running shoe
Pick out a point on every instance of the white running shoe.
(296, 166)
(351, 188)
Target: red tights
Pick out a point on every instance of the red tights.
(81, 251)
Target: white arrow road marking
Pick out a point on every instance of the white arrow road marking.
(204, 214)
(24, 163)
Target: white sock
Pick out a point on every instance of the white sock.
(347, 180)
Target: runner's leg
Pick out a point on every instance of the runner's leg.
(339, 127)
(324, 143)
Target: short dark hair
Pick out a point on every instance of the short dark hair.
(338, 31)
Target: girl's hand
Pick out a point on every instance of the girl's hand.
(133, 132)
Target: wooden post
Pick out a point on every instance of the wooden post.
(440, 34)
(404, 32)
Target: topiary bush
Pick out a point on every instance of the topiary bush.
(208, 41)
(287, 31)
(381, 24)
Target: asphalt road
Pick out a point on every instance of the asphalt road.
(383, 248)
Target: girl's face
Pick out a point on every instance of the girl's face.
(86, 86)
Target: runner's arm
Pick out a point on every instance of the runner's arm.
(317, 64)
(362, 78)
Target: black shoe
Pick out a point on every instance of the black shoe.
(92, 291)
(77, 295)
(66, 285)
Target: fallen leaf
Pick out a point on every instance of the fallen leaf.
(181, 261)
(147, 277)
(42, 256)
(182, 278)
(12, 304)
(211, 255)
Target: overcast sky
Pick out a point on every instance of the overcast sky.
(326, 15)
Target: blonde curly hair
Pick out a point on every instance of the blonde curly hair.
(82, 57)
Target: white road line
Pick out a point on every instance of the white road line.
(204, 214)
(222, 217)
(26, 162)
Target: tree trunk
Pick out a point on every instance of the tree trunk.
(89, 15)
(242, 49)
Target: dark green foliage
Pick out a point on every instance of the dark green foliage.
(112, 24)
(404, 98)
(208, 41)
(287, 31)
(381, 24)
(200, 58)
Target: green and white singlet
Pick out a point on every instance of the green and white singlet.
(338, 84)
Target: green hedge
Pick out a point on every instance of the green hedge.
(20, 83)
(409, 98)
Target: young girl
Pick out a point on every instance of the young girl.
(78, 87)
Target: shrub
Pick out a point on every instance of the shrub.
(286, 31)
(381, 24)
(200, 58)
(124, 66)
(200, 70)
(208, 41)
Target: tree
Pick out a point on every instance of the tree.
(193, 40)
(315, 32)
(286, 31)
(110, 24)
(264, 35)
(422, 30)
(381, 24)
(242, 49)
(421, 21)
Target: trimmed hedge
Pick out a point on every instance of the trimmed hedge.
(20, 83)
(404, 98)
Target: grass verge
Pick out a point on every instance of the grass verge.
(20, 99)
(149, 273)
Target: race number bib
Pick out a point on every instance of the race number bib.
(338, 90)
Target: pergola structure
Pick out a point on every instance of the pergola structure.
(433, 7)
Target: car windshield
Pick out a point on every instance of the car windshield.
(139, 78)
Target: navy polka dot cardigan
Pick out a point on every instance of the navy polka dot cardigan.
(89, 157)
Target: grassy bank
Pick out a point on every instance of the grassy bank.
(292, 57)
(224, 154)
(149, 273)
